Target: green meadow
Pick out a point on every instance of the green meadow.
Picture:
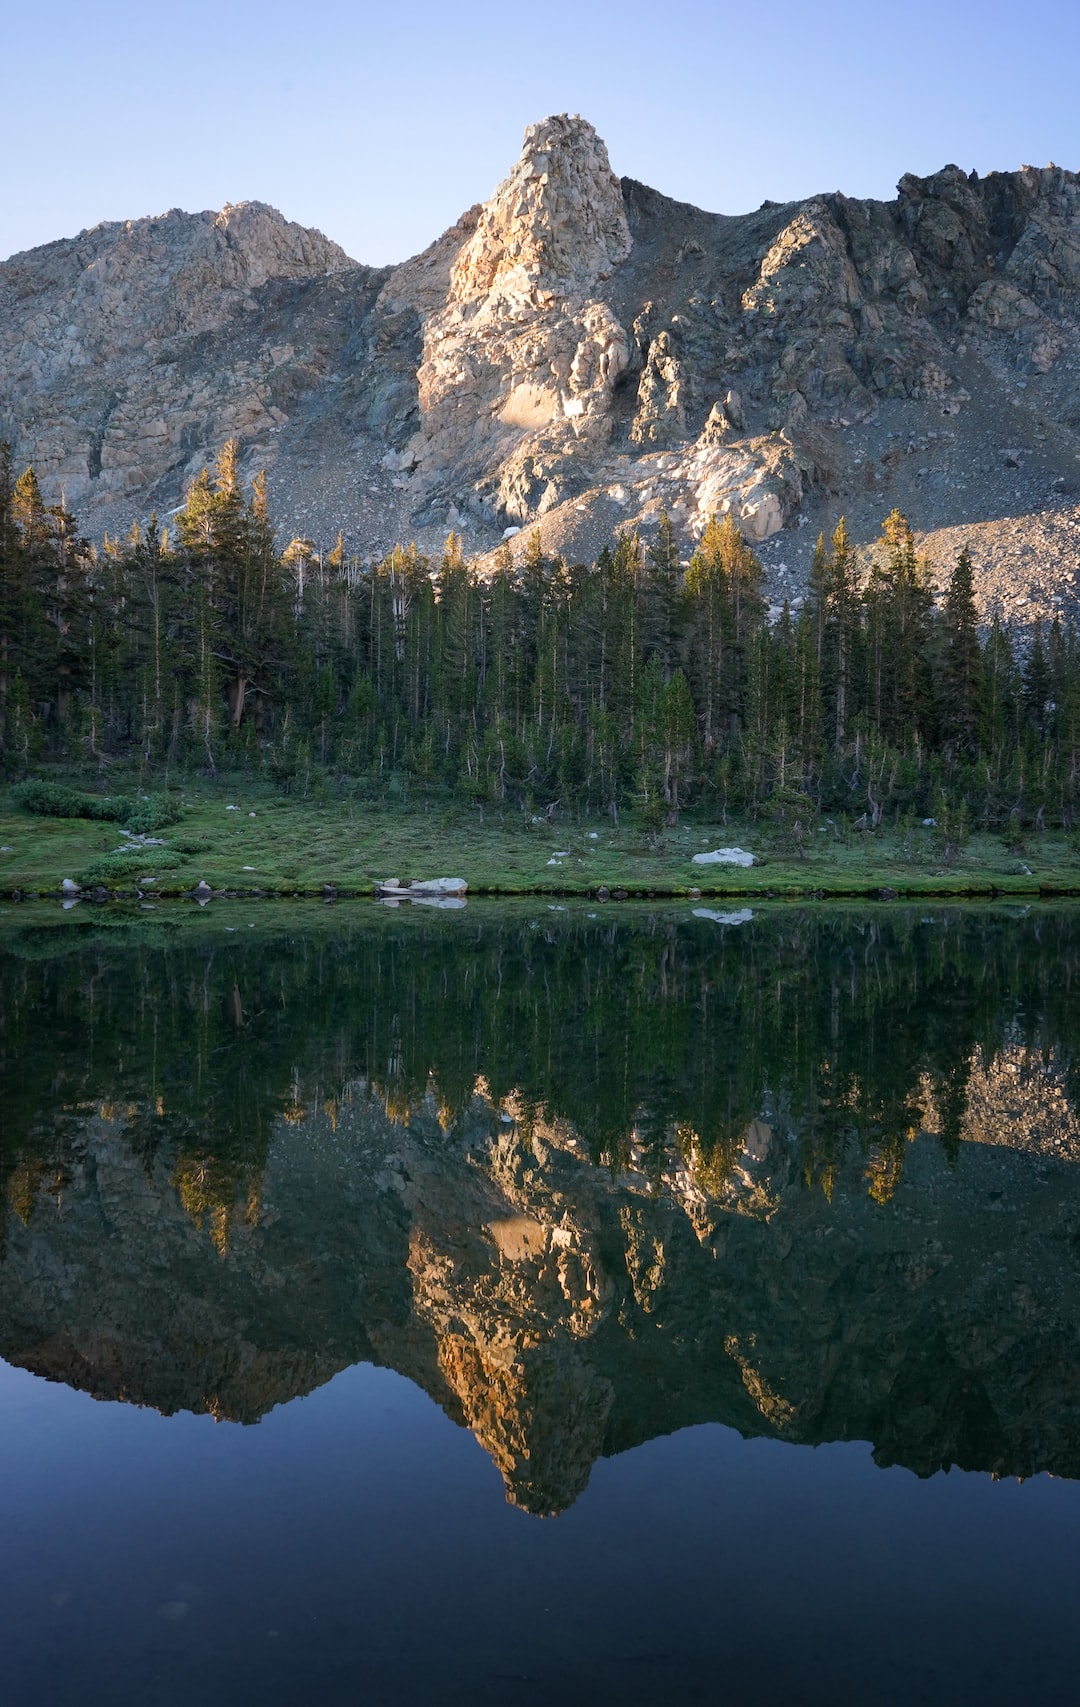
(247, 838)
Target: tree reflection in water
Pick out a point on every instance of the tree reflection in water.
(585, 1179)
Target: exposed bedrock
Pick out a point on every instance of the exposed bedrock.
(580, 353)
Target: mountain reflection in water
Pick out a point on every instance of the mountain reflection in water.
(584, 1179)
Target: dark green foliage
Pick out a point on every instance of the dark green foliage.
(961, 660)
(114, 867)
(190, 844)
(637, 681)
(53, 800)
(152, 813)
(139, 817)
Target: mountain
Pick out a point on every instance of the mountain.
(579, 353)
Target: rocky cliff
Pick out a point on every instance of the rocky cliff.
(581, 353)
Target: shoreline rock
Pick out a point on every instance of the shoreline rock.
(423, 889)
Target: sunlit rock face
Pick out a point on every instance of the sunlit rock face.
(127, 351)
(555, 228)
(581, 353)
(526, 352)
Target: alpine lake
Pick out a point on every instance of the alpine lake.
(539, 1303)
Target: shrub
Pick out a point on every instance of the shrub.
(155, 812)
(115, 867)
(140, 817)
(53, 800)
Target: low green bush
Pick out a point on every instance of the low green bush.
(115, 867)
(53, 800)
(140, 816)
(154, 812)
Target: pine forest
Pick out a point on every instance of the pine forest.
(637, 682)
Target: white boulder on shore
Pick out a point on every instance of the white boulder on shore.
(425, 889)
(724, 856)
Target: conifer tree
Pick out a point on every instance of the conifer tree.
(962, 660)
(708, 605)
(12, 593)
(661, 595)
(1036, 683)
(899, 602)
(533, 682)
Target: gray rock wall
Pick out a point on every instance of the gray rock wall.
(562, 357)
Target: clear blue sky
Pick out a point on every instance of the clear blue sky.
(380, 123)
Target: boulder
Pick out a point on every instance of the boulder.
(724, 856)
(761, 518)
(423, 889)
(438, 886)
(733, 411)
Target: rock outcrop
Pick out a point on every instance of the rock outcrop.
(582, 353)
(112, 343)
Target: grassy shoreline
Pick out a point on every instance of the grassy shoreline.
(245, 841)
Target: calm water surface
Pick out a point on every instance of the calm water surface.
(524, 1304)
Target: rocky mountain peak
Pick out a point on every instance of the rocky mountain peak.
(556, 226)
(579, 354)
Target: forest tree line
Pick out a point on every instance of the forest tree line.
(635, 681)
